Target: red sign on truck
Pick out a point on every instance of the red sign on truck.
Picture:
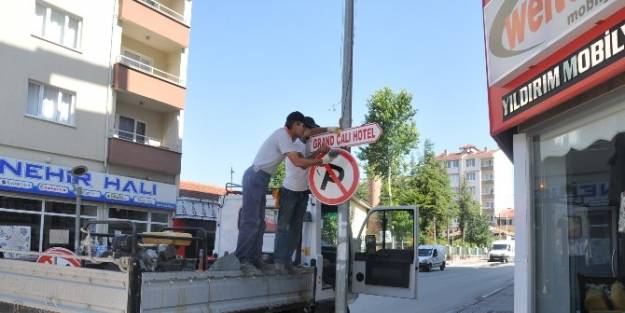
(356, 136)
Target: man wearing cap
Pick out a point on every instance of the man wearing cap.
(294, 200)
(279, 145)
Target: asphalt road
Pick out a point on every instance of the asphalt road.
(446, 291)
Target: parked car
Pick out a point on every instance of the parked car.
(431, 256)
(502, 251)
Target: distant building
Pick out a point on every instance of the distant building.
(487, 173)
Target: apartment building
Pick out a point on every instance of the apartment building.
(487, 173)
(93, 83)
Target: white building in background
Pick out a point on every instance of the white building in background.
(487, 173)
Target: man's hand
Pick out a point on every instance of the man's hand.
(329, 157)
(324, 149)
(335, 130)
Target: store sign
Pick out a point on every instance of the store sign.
(521, 32)
(196, 209)
(51, 180)
(597, 54)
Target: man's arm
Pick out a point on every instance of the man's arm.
(321, 130)
(300, 161)
(323, 150)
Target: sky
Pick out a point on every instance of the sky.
(252, 62)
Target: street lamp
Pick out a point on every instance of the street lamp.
(77, 171)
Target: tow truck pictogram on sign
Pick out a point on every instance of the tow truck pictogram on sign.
(335, 183)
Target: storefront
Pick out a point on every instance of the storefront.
(556, 88)
(37, 204)
(198, 206)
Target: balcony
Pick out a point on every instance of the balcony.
(487, 165)
(144, 80)
(157, 19)
(144, 153)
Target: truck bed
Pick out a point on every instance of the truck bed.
(26, 285)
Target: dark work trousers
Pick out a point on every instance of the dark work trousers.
(252, 216)
(290, 220)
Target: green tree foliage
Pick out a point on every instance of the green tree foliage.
(428, 187)
(473, 225)
(362, 192)
(402, 226)
(395, 114)
(467, 207)
(478, 231)
(329, 230)
(278, 176)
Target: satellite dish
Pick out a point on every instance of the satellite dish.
(79, 170)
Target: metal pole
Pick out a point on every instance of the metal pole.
(343, 238)
(78, 191)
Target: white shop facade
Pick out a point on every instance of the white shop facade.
(556, 90)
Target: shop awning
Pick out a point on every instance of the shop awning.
(196, 209)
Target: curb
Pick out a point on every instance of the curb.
(481, 299)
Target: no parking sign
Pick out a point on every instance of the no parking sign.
(65, 257)
(336, 182)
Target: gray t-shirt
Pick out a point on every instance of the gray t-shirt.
(295, 178)
(273, 151)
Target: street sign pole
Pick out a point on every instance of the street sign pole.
(343, 238)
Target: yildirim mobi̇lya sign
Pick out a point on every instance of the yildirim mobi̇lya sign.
(599, 53)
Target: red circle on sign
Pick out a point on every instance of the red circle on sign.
(346, 192)
(65, 257)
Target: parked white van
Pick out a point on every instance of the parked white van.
(502, 251)
(431, 256)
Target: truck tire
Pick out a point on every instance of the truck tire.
(443, 266)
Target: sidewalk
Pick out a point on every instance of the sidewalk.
(501, 301)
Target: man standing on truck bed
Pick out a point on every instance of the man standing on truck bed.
(255, 182)
(294, 200)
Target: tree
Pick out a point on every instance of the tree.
(278, 176)
(330, 228)
(478, 231)
(467, 208)
(362, 192)
(429, 188)
(473, 225)
(395, 115)
(402, 226)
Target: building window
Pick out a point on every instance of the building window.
(487, 163)
(59, 223)
(472, 190)
(144, 221)
(454, 179)
(158, 221)
(579, 232)
(131, 129)
(470, 162)
(57, 26)
(50, 103)
(471, 176)
(452, 164)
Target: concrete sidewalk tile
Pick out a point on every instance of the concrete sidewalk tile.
(501, 301)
